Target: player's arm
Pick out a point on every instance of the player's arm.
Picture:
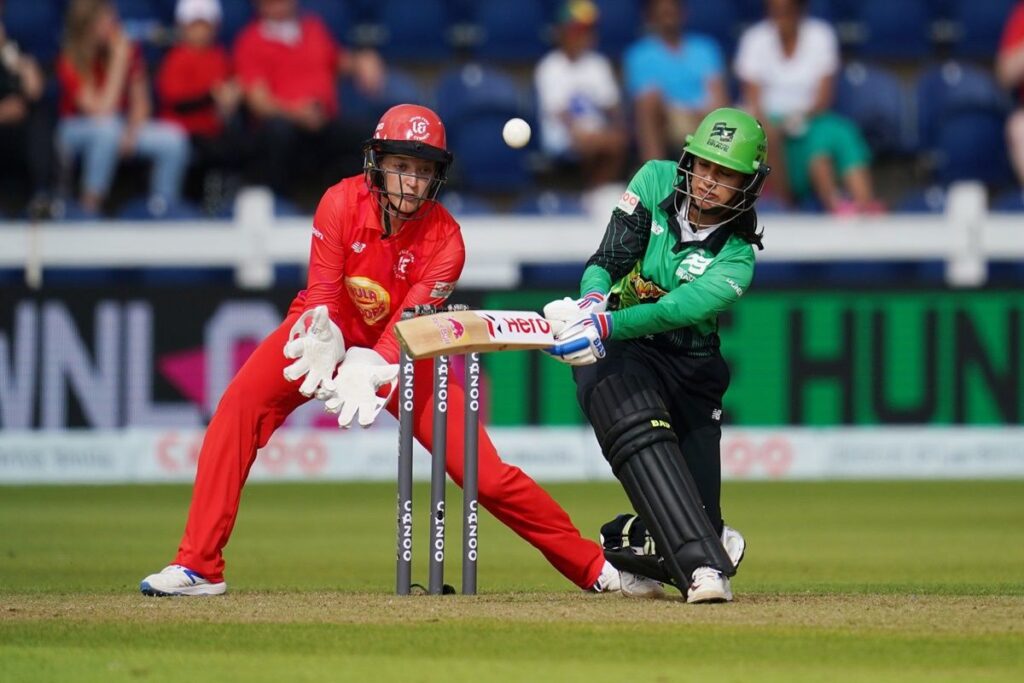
(433, 288)
(716, 290)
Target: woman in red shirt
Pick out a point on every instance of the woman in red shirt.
(105, 109)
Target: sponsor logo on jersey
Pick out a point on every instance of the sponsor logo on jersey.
(735, 287)
(645, 290)
(358, 247)
(716, 414)
(627, 204)
(442, 290)
(405, 259)
(317, 234)
(370, 297)
(656, 229)
(694, 263)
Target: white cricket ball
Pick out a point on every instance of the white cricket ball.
(516, 133)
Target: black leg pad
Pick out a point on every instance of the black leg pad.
(636, 437)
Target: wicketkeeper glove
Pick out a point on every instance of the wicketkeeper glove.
(318, 345)
(580, 342)
(354, 389)
(561, 312)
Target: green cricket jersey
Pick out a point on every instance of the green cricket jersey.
(664, 286)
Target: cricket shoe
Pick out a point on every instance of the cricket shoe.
(709, 585)
(608, 581)
(735, 545)
(637, 586)
(177, 580)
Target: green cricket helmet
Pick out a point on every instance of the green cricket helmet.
(733, 139)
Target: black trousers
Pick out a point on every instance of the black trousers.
(692, 390)
(27, 146)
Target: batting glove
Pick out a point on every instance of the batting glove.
(354, 389)
(580, 343)
(317, 344)
(561, 312)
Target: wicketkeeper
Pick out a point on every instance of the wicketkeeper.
(678, 250)
(381, 243)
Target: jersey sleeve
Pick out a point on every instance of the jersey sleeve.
(629, 228)
(326, 257)
(433, 287)
(716, 290)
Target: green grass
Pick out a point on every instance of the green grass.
(842, 582)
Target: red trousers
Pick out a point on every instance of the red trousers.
(259, 399)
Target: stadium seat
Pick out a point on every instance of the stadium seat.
(472, 89)
(953, 87)
(719, 19)
(979, 26)
(877, 102)
(35, 26)
(511, 30)
(894, 30)
(550, 203)
(415, 30)
(618, 24)
(236, 14)
(1009, 201)
(972, 146)
(461, 204)
(399, 87)
(140, 209)
(924, 200)
(483, 162)
(334, 13)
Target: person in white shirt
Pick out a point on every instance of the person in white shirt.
(581, 120)
(787, 65)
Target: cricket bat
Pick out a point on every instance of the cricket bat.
(457, 332)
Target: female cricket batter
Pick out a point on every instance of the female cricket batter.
(644, 339)
(381, 243)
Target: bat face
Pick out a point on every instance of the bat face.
(473, 331)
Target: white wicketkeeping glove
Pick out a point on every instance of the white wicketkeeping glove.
(561, 312)
(580, 342)
(317, 344)
(354, 389)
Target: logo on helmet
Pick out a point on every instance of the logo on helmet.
(723, 132)
(418, 128)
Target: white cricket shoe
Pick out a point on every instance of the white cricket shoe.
(709, 585)
(735, 545)
(637, 586)
(608, 581)
(177, 580)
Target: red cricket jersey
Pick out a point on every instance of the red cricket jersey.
(294, 74)
(366, 279)
(189, 73)
(70, 81)
(1013, 37)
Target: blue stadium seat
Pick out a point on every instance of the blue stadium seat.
(549, 203)
(139, 209)
(1009, 201)
(895, 30)
(511, 30)
(980, 26)
(138, 10)
(235, 15)
(334, 13)
(461, 204)
(972, 146)
(416, 30)
(719, 19)
(618, 24)
(953, 87)
(483, 162)
(399, 88)
(473, 89)
(923, 200)
(36, 26)
(877, 102)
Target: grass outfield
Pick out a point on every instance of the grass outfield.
(842, 582)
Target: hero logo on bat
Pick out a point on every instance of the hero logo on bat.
(517, 326)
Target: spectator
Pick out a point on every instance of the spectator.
(1010, 72)
(197, 91)
(673, 78)
(288, 66)
(787, 65)
(581, 117)
(105, 109)
(26, 125)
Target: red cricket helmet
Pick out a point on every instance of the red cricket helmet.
(410, 130)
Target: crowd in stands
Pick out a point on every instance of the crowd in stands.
(167, 107)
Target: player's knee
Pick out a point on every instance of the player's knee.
(628, 416)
